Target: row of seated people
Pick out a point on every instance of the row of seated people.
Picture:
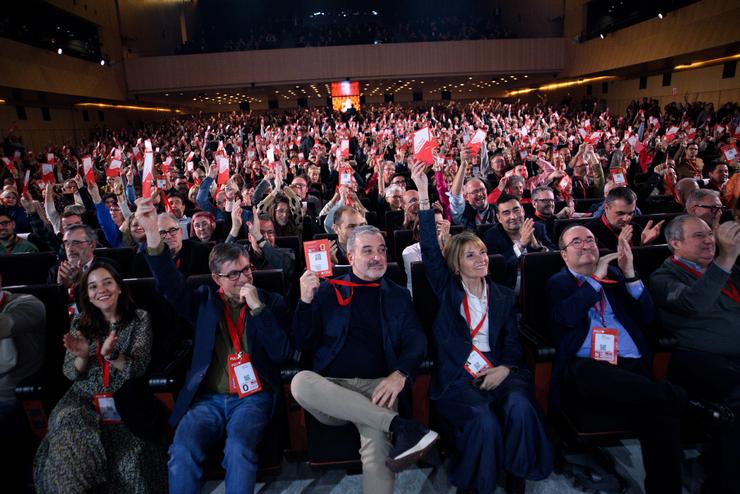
(369, 368)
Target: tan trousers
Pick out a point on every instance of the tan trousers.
(336, 401)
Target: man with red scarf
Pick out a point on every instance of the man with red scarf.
(698, 300)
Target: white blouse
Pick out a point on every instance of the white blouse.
(478, 308)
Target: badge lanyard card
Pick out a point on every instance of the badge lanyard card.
(104, 403)
(604, 341)
(317, 255)
(476, 361)
(243, 378)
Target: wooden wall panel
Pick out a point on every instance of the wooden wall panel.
(238, 69)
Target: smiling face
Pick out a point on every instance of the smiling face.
(511, 215)
(230, 269)
(698, 244)
(368, 256)
(475, 194)
(580, 252)
(103, 291)
(474, 260)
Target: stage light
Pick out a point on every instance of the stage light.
(102, 62)
(660, 16)
(59, 51)
(601, 36)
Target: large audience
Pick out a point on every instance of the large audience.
(219, 194)
(335, 29)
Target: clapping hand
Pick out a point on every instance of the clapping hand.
(76, 344)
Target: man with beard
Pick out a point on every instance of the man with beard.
(472, 208)
(619, 210)
(513, 236)
(543, 199)
(366, 344)
(10, 243)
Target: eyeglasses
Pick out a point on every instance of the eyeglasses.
(482, 190)
(234, 275)
(715, 209)
(74, 243)
(171, 232)
(581, 242)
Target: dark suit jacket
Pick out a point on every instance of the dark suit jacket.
(568, 306)
(193, 259)
(267, 338)
(498, 242)
(608, 239)
(320, 328)
(452, 339)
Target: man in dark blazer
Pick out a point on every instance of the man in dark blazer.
(515, 235)
(365, 344)
(603, 363)
(233, 385)
(619, 211)
(190, 256)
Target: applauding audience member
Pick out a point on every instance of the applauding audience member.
(89, 446)
(699, 302)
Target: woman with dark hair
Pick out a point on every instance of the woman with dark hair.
(479, 386)
(88, 447)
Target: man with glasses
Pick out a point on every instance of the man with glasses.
(468, 204)
(233, 386)
(699, 303)
(190, 256)
(79, 249)
(689, 165)
(543, 200)
(602, 368)
(619, 211)
(705, 204)
(514, 235)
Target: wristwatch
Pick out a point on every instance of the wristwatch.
(112, 356)
(257, 310)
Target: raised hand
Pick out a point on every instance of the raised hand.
(651, 232)
(309, 283)
(109, 344)
(625, 258)
(603, 266)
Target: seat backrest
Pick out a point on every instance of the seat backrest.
(561, 225)
(123, 256)
(169, 330)
(26, 269)
(455, 229)
(536, 269)
(649, 258)
(54, 298)
(291, 242)
(481, 230)
(401, 240)
(328, 236)
(584, 205)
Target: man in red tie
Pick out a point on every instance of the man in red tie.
(698, 299)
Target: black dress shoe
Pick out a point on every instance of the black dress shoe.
(514, 485)
(711, 414)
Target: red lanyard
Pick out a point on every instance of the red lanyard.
(730, 289)
(344, 302)
(234, 330)
(583, 186)
(178, 263)
(602, 302)
(104, 364)
(3, 298)
(609, 227)
(697, 173)
(467, 314)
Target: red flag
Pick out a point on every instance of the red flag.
(114, 169)
(148, 174)
(423, 146)
(87, 170)
(477, 141)
(47, 173)
(344, 148)
(670, 134)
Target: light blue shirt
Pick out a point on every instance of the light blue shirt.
(625, 345)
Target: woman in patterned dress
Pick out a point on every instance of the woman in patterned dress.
(79, 452)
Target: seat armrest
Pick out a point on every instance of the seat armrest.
(167, 378)
(536, 344)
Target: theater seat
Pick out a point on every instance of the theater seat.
(40, 392)
(560, 225)
(649, 258)
(584, 205)
(123, 258)
(26, 269)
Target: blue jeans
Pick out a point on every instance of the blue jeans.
(243, 420)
